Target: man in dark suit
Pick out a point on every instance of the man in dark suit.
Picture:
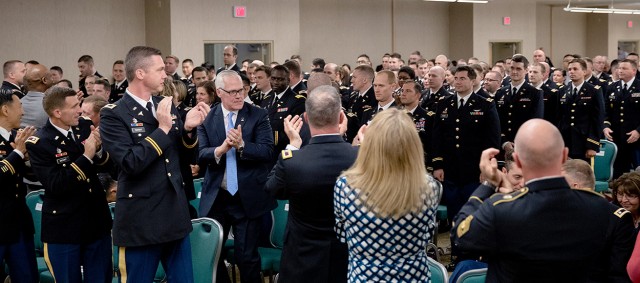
(230, 55)
(16, 240)
(236, 150)
(311, 250)
(491, 224)
(622, 122)
(465, 124)
(581, 114)
(282, 103)
(517, 102)
(76, 221)
(146, 139)
(14, 72)
(120, 84)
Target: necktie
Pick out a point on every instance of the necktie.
(575, 92)
(624, 89)
(232, 170)
(70, 136)
(150, 108)
(514, 91)
(461, 103)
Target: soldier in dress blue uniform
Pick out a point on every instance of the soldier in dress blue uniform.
(465, 124)
(622, 121)
(146, 138)
(362, 99)
(16, 240)
(581, 114)
(590, 78)
(435, 89)
(86, 68)
(120, 83)
(550, 96)
(14, 73)
(410, 99)
(384, 86)
(66, 155)
(297, 85)
(280, 104)
(517, 102)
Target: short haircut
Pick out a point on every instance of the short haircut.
(580, 61)
(587, 59)
(281, 68)
(471, 73)
(543, 68)
(86, 59)
(396, 55)
(187, 61)
(32, 62)
(422, 61)
(580, 171)
(68, 82)
(118, 62)
(234, 50)
(6, 97)
(199, 69)
(8, 66)
(318, 62)
(519, 58)
(104, 83)
(416, 53)
(219, 82)
(366, 71)
(323, 106)
(293, 67)
(210, 67)
(632, 54)
(264, 68)
(56, 68)
(54, 98)
(567, 55)
(408, 71)
(245, 61)
(365, 56)
(633, 63)
(478, 68)
(174, 57)
(245, 80)
(295, 56)
(416, 86)
(499, 61)
(391, 77)
(98, 102)
(614, 63)
(138, 58)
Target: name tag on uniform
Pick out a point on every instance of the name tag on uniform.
(62, 160)
(137, 130)
(585, 97)
(525, 99)
(637, 94)
(476, 113)
(283, 109)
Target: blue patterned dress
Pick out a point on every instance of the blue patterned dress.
(384, 249)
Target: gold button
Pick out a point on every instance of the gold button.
(571, 117)
(89, 190)
(169, 174)
(167, 160)
(509, 113)
(573, 110)
(509, 122)
(621, 120)
(621, 114)
(457, 129)
(139, 135)
(17, 196)
(622, 102)
(621, 107)
(574, 104)
(88, 180)
(54, 212)
(571, 124)
(64, 165)
(17, 186)
(457, 120)
(510, 106)
(457, 137)
(457, 145)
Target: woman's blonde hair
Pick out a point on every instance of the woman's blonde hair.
(169, 88)
(389, 171)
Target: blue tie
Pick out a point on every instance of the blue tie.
(232, 169)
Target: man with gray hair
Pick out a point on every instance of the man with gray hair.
(311, 248)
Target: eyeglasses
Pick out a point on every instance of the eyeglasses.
(627, 196)
(235, 92)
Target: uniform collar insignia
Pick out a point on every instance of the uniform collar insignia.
(140, 114)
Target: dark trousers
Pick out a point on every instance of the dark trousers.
(64, 261)
(228, 210)
(21, 259)
(626, 159)
(454, 196)
(139, 264)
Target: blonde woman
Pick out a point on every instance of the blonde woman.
(385, 204)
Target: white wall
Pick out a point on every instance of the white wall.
(569, 34)
(59, 32)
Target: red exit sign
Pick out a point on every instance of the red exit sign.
(239, 11)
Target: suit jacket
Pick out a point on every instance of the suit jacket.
(289, 104)
(581, 118)
(253, 163)
(74, 209)
(117, 93)
(15, 217)
(152, 203)
(516, 108)
(623, 111)
(311, 248)
(534, 252)
(234, 68)
(462, 135)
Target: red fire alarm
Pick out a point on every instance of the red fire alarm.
(629, 24)
(506, 21)
(239, 11)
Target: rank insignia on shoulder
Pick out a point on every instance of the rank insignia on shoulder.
(489, 99)
(463, 228)
(596, 86)
(110, 106)
(431, 113)
(512, 196)
(299, 96)
(554, 90)
(32, 139)
(621, 212)
(286, 154)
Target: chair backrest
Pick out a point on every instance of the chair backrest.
(603, 161)
(438, 271)
(197, 187)
(206, 247)
(473, 276)
(34, 202)
(280, 215)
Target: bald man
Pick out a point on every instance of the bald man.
(435, 90)
(37, 80)
(545, 231)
